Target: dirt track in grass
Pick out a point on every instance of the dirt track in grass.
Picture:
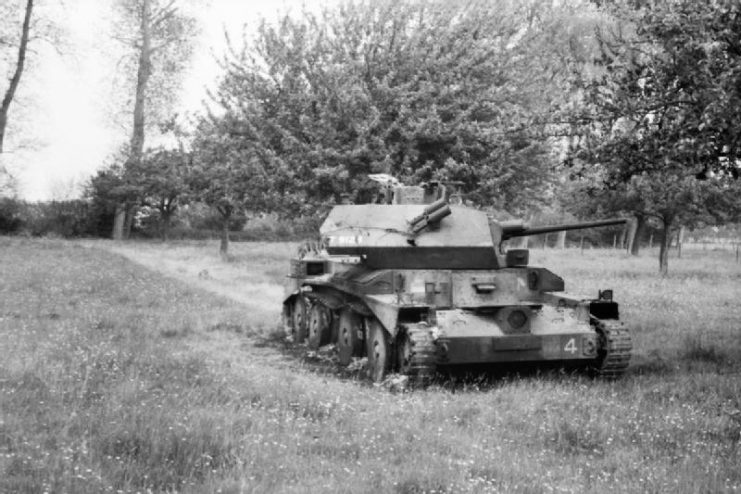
(250, 277)
(253, 277)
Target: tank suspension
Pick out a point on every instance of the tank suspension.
(615, 347)
(416, 352)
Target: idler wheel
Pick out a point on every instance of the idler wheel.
(320, 328)
(300, 326)
(379, 352)
(348, 341)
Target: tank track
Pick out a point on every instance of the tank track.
(616, 347)
(423, 360)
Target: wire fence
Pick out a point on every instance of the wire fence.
(729, 245)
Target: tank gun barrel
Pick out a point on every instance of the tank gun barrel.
(511, 230)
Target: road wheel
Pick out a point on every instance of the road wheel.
(379, 353)
(300, 326)
(320, 320)
(348, 341)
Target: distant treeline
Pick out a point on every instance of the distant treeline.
(80, 218)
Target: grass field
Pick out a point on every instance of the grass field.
(169, 375)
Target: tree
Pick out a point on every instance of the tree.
(422, 90)
(161, 182)
(16, 64)
(588, 195)
(659, 120)
(17, 67)
(106, 190)
(157, 54)
(228, 176)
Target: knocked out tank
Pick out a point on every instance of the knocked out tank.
(415, 282)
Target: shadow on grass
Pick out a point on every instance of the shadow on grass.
(322, 362)
(652, 364)
(693, 356)
(492, 376)
(695, 350)
(459, 378)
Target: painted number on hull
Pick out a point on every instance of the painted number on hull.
(570, 346)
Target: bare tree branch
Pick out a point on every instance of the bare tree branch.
(164, 13)
(16, 78)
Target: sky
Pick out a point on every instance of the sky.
(67, 128)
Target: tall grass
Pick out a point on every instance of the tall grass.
(115, 378)
(690, 316)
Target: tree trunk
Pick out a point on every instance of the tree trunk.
(561, 240)
(630, 238)
(167, 208)
(15, 79)
(621, 240)
(144, 71)
(635, 236)
(118, 222)
(166, 219)
(129, 221)
(680, 241)
(664, 248)
(224, 247)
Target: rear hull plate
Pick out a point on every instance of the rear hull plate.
(517, 348)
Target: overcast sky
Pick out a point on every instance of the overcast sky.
(67, 111)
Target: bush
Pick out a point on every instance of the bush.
(10, 215)
(63, 218)
(202, 217)
(75, 218)
(248, 235)
(200, 222)
(81, 218)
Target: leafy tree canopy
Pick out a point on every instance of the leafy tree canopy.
(659, 123)
(421, 90)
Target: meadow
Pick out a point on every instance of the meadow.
(148, 367)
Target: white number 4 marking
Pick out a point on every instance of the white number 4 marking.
(570, 346)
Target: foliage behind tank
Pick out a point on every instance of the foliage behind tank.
(416, 282)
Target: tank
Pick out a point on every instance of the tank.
(418, 281)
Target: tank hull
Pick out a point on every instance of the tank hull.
(464, 317)
(548, 334)
(413, 286)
